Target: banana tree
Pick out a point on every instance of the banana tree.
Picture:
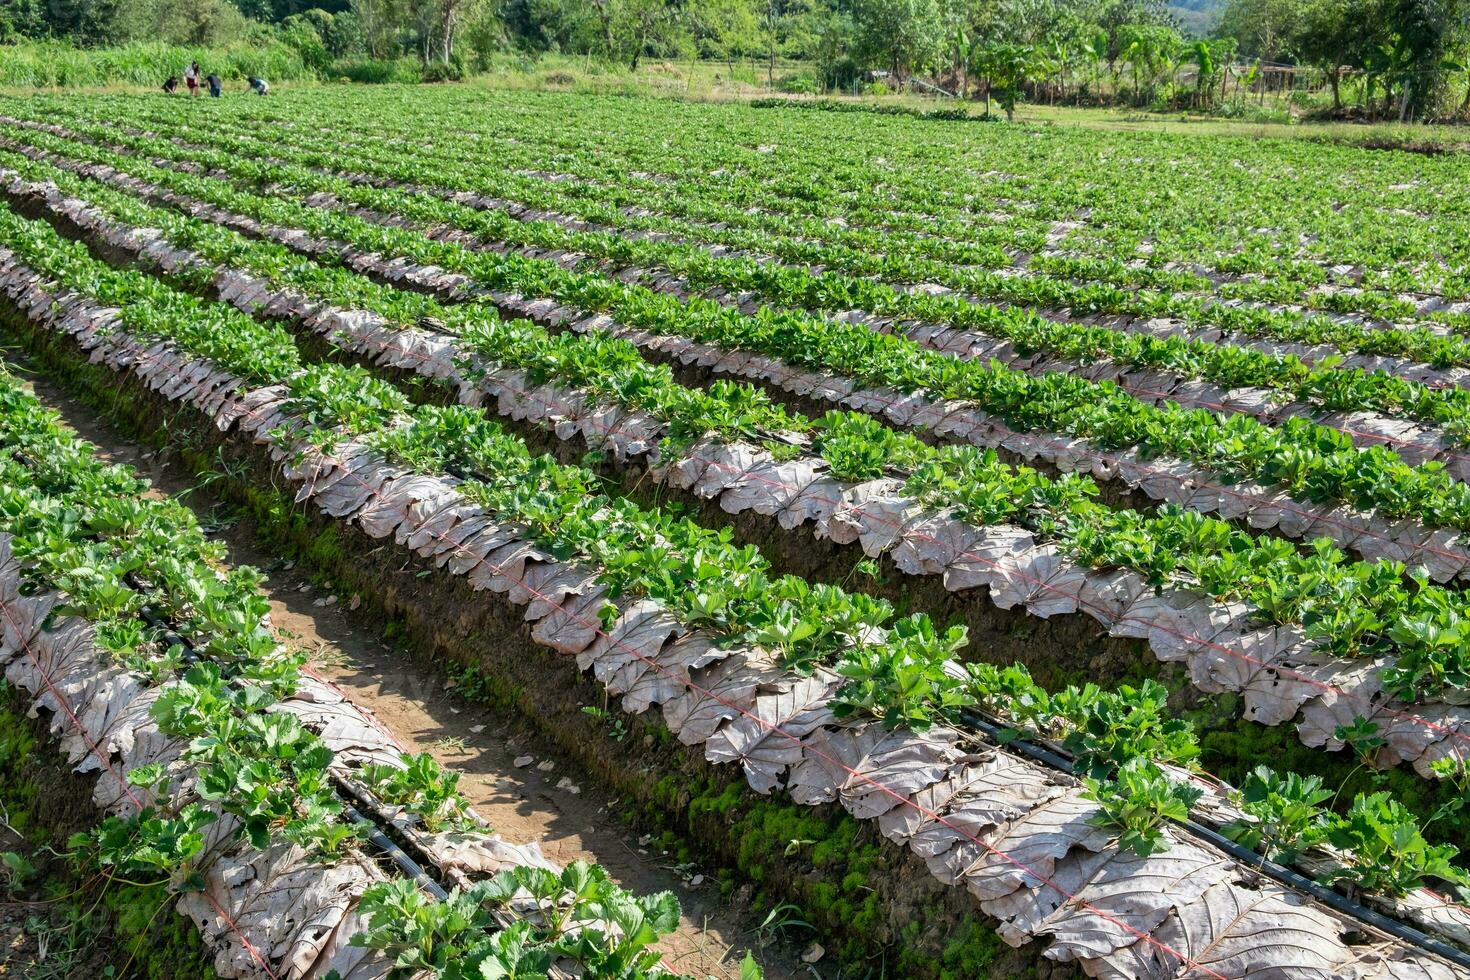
(1381, 64)
(1199, 53)
(959, 46)
(1149, 52)
(1209, 57)
(1094, 52)
(1060, 57)
(1006, 68)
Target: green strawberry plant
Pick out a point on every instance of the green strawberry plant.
(425, 787)
(1389, 853)
(1285, 811)
(520, 924)
(1136, 802)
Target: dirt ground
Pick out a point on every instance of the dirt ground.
(516, 781)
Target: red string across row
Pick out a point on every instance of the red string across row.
(775, 730)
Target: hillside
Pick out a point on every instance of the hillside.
(1196, 16)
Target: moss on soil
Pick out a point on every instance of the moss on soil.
(873, 903)
(93, 924)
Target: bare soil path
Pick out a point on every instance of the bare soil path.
(518, 782)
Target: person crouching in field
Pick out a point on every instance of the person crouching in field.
(170, 84)
(258, 85)
(191, 78)
(216, 86)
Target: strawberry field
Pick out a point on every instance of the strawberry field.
(1069, 531)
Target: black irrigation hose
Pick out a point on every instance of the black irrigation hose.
(1031, 750)
(1247, 857)
(352, 793)
(1329, 897)
(395, 853)
(410, 868)
(164, 629)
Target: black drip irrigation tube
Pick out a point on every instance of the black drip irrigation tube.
(1251, 859)
(411, 869)
(997, 733)
(350, 795)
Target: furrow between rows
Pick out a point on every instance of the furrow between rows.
(1282, 675)
(914, 781)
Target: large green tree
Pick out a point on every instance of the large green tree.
(725, 29)
(1333, 35)
(1118, 18)
(1265, 29)
(87, 21)
(1424, 32)
(633, 29)
(550, 25)
(904, 36)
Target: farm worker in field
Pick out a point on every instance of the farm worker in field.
(170, 84)
(191, 77)
(215, 86)
(258, 85)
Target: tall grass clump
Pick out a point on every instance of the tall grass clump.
(56, 64)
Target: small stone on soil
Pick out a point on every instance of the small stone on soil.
(476, 729)
(522, 761)
(547, 766)
(813, 953)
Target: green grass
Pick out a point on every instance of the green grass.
(143, 66)
(54, 64)
(1450, 136)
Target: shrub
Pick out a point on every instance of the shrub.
(800, 83)
(302, 34)
(369, 71)
(441, 71)
(55, 64)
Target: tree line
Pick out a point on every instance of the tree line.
(1391, 58)
(1403, 57)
